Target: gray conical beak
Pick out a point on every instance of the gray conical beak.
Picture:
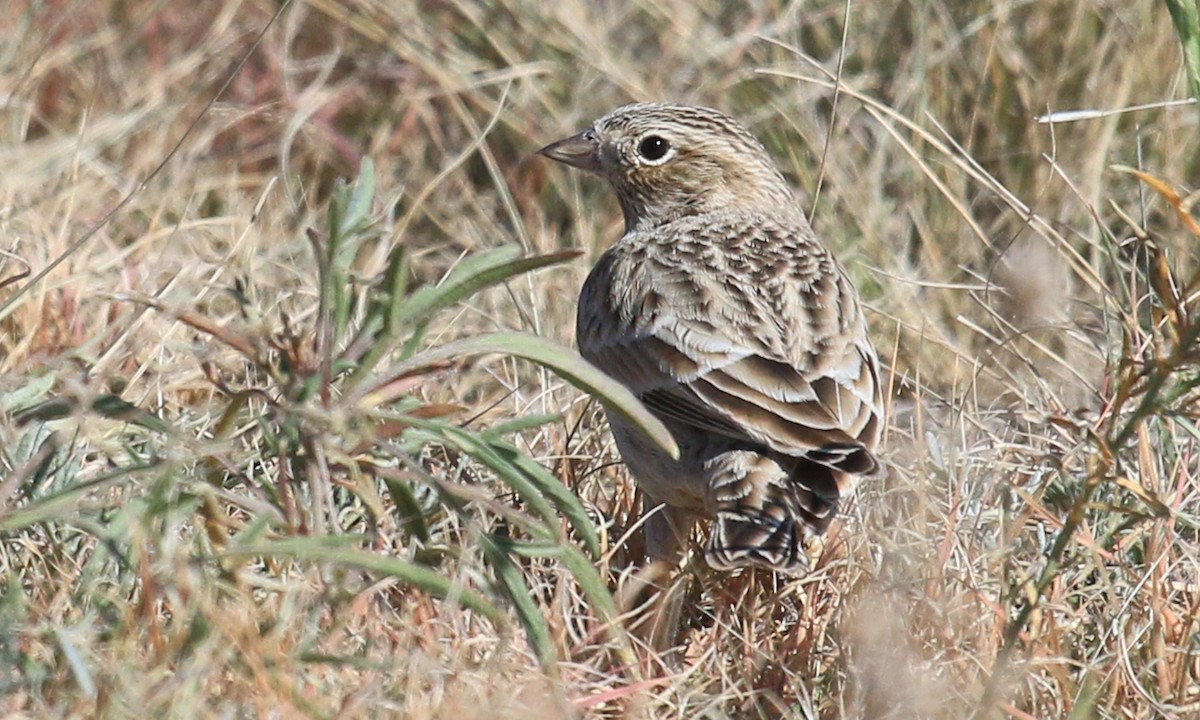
(581, 151)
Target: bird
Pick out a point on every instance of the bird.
(724, 314)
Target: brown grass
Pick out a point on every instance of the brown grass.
(1033, 551)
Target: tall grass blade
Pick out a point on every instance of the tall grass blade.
(511, 581)
(1187, 25)
(567, 363)
(333, 550)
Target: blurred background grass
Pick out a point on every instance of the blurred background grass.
(1032, 553)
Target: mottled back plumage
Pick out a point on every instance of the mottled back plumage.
(735, 326)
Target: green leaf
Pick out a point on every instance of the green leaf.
(107, 405)
(469, 277)
(1187, 25)
(358, 205)
(565, 500)
(510, 474)
(114, 408)
(25, 395)
(581, 568)
(395, 284)
(349, 224)
(594, 587)
(1085, 700)
(578, 565)
(350, 209)
(474, 274)
(412, 518)
(511, 581)
(333, 220)
(331, 549)
(565, 362)
(516, 425)
(61, 503)
(384, 317)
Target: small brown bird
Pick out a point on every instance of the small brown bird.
(722, 311)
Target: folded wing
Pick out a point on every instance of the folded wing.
(771, 348)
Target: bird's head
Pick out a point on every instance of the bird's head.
(667, 161)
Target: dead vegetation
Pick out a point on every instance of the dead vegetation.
(199, 519)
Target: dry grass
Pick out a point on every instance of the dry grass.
(1033, 551)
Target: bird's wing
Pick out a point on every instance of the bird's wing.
(762, 341)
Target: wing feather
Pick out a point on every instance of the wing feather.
(770, 349)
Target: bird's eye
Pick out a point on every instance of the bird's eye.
(654, 148)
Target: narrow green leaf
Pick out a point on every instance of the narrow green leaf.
(567, 363)
(107, 405)
(474, 274)
(75, 661)
(343, 304)
(592, 584)
(1186, 17)
(334, 220)
(510, 475)
(358, 205)
(384, 317)
(349, 223)
(543, 523)
(25, 395)
(395, 284)
(1085, 701)
(56, 408)
(350, 661)
(511, 581)
(562, 497)
(1188, 425)
(61, 503)
(517, 425)
(114, 408)
(332, 550)
(581, 568)
(412, 519)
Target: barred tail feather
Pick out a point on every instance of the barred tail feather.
(769, 539)
(763, 512)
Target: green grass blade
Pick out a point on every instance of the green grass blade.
(358, 204)
(593, 586)
(114, 408)
(26, 394)
(62, 503)
(412, 519)
(1187, 25)
(511, 581)
(474, 274)
(395, 285)
(562, 497)
(525, 422)
(566, 363)
(106, 405)
(582, 568)
(470, 276)
(510, 474)
(332, 549)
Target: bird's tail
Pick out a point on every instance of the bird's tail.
(764, 511)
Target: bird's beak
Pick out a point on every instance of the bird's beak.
(581, 151)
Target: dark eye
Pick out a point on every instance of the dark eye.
(653, 147)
